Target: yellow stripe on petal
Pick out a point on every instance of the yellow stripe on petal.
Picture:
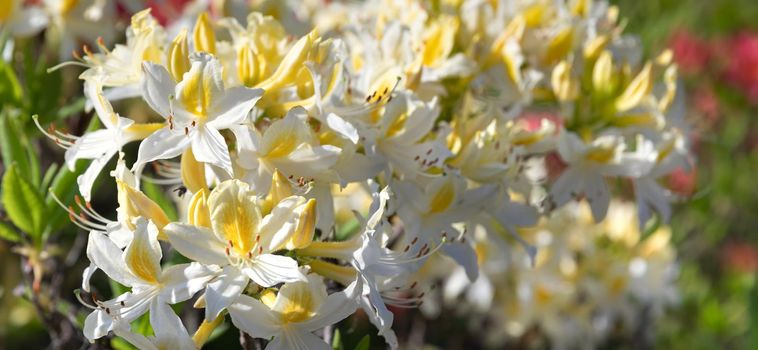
(443, 197)
(142, 256)
(247, 69)
(235, 214)
(560, 46)
(66, 6)
(135, 204)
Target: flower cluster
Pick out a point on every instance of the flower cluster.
(451, 116)
(591, 280)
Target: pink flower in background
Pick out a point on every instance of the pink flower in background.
(690, 52)
(742, 257)
(706, 102)
(742, 65)
(683, 182)
(533, 120)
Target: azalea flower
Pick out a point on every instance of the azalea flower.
(195, 110)
(168, 328)
(297, 310)
(100, 145)
(138, 267)
(588, 164)
(240, 240)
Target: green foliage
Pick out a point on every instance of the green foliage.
(22, 202)
(8, 233)
(337, 340)
(364, 344)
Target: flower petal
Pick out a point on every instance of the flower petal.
(157, 88)
(196, 243)
(269, 269)
(233, 106)
(102, 252)
(210, 147)
(181, 282)
(162, 144)
(223, 291)
(254, 318)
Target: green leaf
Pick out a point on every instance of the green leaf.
(337, 340)
(364, 344)
(345, 231)
(22, 202)
(49, 174)
(121, 344)
(10, 89)
(8, 233)
(11, 146)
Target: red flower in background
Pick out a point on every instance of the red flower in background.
(683, 182)
(742, 65)
(742, 257)
(690, 52)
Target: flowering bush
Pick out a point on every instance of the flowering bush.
(326, 158)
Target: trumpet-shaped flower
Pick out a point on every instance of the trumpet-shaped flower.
(195, 110)
(138, 267)
(291, 316)
(100, 145)
(242, 241)
(589, 163)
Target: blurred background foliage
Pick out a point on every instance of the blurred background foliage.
(715, 42)
(716, 45)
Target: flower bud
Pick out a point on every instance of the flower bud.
(193, 172)
(306, 226)
(178, 56)
(203, 35)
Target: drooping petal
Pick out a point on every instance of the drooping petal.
(87, 179)
(297, 340)
(168, 328)
(102, 252)
(465, 256)
(97, 325)
(210, 147)
(143, 254)
(223, 291)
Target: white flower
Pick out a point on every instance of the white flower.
(298, 309)
(100, 145)
(168, 328)
(21, 20)
(588, 164)
(138, 267)
(242, 241)
(195, 110)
